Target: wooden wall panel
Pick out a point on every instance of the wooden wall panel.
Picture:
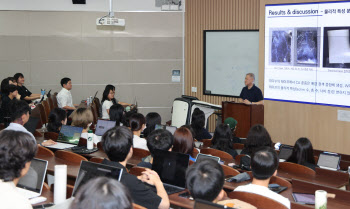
(212, 15)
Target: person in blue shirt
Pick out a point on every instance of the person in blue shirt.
(251, 94)
(183, 142)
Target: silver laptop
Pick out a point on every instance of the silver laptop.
(68, 137)
(31, 184)
(103, 126)
(201, 157)
(329, 161)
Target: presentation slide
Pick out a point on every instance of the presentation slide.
(307, 53)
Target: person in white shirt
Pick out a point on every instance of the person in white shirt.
(64, 97)
(264, 164)
(137, 124)
(17, 150)
(108, 100)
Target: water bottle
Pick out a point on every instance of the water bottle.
(87, 101)
(90, 140)
(43, 92)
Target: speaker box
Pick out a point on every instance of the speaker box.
(79, 1)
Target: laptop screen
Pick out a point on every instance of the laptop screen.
(285, 152)
(89, 170)
(171, 129)
(70, 134)
(103, 126)
(328, 160)
(35, 177)
(31, 124)
(158, 126)
(171, 167)
(201, 157)
(201, 204)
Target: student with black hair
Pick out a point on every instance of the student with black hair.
(64, 97)
(26, 95)
(116, 113)
(264, 164)
(19, 115)
(303, 153)
(198, 123)
(158, 140)
(103, 193)
(57, 118)
(117, 144)
(17, 150)
(108, 99)
(152, 119)
(5, 100)
(5, 84)
(137, 125)
(205, 180)
(222, 139)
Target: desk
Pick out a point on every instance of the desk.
(48, 194)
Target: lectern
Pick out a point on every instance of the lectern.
(246, 115)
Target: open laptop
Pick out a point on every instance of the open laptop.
(31, 184)
(285, 152)
(202, 204)
(68, 137)
(103, 126)
(329, 161)
(201, 157)
(171, 129)
(31, 124)
(89, 170)
(171, 168)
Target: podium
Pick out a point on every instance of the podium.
(246, 116)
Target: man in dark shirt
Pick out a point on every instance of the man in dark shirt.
(5, 100)
(117, 143)
(251, 94)
(26, 95)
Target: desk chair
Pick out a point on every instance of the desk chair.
(138, 206)
(258, 201)
(69, 156)
(215, 152)
(54, 100)
(96, 159)
(137, 171)
(238, 146)
(51, 135)
(36, 113)
(99, 146)
(207, 143)
(94, 113)
(195, 153)
(50, 101)
(140, 153)
(294, 168)
(43, 116)
(275, 180)
(43, 151)
(229, 171)
(46, 108)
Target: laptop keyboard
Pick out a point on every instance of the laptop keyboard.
(61, 146)
(171, 189)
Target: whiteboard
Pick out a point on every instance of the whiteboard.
(228, 57)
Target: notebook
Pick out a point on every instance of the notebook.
(285, 152)
(103, 126)
(31, 184)
(329, 161)
(171, 168)
(89, 170)
(68, 137)
(201, 157)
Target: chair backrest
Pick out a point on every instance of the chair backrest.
(195, 153)
(136, 206)
(43, 116)
(238, 158)
(275, 180)
(51, 135)
(99, 146)
(238, 146)
(136, 171)
(206, 143)
(36, 113)
(37, 134)
(217, 153)
(43, 151)
(96, 159)
(98, 106)
(229, 171)
(293, 168)
(54, 100)
(256, 200)
(47, 109)
(94, 113)
(140, 153)
(69, 156)
(50, 101)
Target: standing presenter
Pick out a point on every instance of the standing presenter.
(251, 94)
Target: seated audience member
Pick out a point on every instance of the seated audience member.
(116, 113)
(83, 118)
(102, 193)
(303, 153)
(5, 84)
(107, 101)
(205, 180)
(152, 119)
(5, 100)
(257, 137)
(117, 143)
(264, 164)
(26, 95)
(233, 126)
(137, 124)
(19, 115)
(222, 140)
(57, 118)
(157, 140)
(64, 97)
(17, 149)
(197, 123)
(183, 142)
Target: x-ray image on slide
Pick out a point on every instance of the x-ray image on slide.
(281, 46)
(336, 52)
(307, 48)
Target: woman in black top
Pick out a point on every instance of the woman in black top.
(6, 99)
(303, 153)
(197, 123)
(116, 113)
(222, 140)
(26, 95)
(57, 118)
(152, 119)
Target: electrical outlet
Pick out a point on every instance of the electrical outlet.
(194, 89)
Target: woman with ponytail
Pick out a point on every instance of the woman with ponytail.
(137, 124)
(57, 118)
